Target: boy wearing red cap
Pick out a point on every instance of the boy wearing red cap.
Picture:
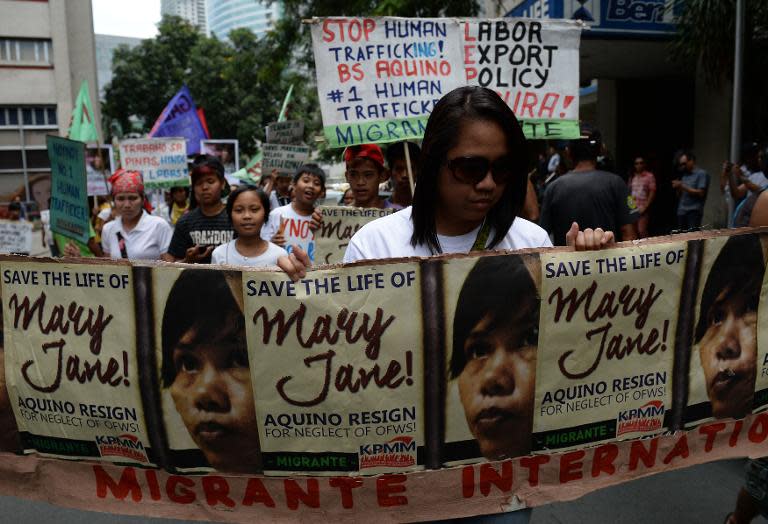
(365, 171)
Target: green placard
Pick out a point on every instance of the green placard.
(69, 195)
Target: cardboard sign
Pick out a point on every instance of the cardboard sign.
(284, 158)
(162, 162)
(288, 132)
(337, 228)
(15, 236)
(534, 66)
(70, 213)
(379, 78)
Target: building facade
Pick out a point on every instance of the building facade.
(226, 15)
(193, 11)
(105, 48)
(46, 50)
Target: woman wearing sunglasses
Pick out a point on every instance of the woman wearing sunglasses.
(472, 185)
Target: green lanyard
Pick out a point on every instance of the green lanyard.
(482, 237)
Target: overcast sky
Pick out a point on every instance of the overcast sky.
(137, 18)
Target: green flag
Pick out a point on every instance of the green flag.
(83, 126)
(284, 109)
(251, 172)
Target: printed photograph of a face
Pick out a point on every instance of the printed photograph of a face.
(492, 311)
(724, 357)
(207, 398)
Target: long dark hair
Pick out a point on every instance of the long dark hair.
(738, 270)
(502, 287)
(442, 134)
(200, 299)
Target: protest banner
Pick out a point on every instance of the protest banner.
(15, 236)
(285, 158)
(382, 76)
(70, 213)
(338, 225)
(228, 152)
(534, 66)
(287, 132)
(354, 379)
(99, 166)
(71, 365)
(162, 162)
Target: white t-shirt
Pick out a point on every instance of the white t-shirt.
(390, 237)
(229, 255)
(296, 231)
(759, 179)
(147, 241)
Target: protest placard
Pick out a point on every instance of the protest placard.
(284, 158)
(71, 365)
(534, 66)
(228, 152)
(338, 225)
(70, 213)
(99, 166)
(347, 394)
(15, 236)
(162, 162)
(381, 77)
(287, 132)
(607, 349)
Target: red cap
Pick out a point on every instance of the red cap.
(370, 151)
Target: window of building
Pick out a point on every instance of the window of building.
(26, 51)
(40, 116)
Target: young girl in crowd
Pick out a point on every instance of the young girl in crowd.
(134, 234)
(472, 186)
(248, 210)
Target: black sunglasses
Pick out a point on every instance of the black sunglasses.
(473, 169)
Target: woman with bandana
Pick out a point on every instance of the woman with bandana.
(134, 234)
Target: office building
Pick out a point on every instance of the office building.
(226, 15)
(105, 49)
(46, 51)
(193, 11)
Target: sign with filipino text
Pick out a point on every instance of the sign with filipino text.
(70, 213)
(162, 162)
(381, 77)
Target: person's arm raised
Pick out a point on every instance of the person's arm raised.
(589, 239)
(295, 264)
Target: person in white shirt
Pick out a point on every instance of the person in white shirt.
(472, 186)
(134, 234)
(248, 210)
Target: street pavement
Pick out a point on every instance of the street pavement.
(698, 495)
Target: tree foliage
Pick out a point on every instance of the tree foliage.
(706, 36)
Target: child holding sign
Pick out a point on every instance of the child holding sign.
(248, 210)
(291, 226)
